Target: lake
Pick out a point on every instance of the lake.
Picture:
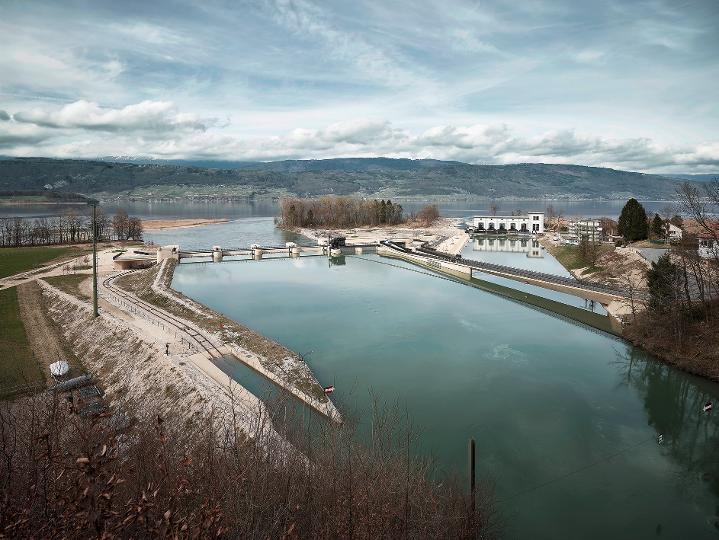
(566, 420)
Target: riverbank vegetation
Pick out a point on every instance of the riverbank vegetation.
(63, 475)
(681, 322)
(350, 212)
(339, 212)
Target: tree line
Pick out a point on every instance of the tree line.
(69, 228)
(339, 212)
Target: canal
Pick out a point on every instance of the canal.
(566, 420)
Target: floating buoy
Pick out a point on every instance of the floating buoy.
(707, 406)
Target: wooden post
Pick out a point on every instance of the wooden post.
(472, 484)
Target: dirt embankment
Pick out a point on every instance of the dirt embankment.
(696, 352)
(46, 341)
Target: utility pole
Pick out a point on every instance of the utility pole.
(94, 259)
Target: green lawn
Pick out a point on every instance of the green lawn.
(571, 258)
(17, 364)
(16, 260)
(69, 283)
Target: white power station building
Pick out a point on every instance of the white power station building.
(532, 222)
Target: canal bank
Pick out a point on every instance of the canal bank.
(217, 337)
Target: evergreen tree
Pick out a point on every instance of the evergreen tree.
(662, 280)
(657, 225)
(633, 221)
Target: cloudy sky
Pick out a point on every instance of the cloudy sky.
(632, 85)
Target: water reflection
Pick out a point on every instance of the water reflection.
(529, 246)
(674, 402)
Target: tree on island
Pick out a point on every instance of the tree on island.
(657, 226)
(633, 222)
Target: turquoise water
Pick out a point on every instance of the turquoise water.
(527, 254)
(566, 419)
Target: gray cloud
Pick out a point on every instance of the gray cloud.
(4, 116)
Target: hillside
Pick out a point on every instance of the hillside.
(352, 176)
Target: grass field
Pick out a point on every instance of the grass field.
(571, 257)
(16, 260)
(69, 283)
(17, 364)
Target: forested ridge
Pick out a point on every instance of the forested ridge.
(380, 177)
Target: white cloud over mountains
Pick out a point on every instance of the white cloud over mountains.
(157, 117)
(160, 130)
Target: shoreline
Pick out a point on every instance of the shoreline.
(181, 223)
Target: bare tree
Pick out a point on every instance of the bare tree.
(120, 223)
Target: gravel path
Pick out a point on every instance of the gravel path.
(46, 344)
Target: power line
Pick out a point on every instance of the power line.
(579, 470)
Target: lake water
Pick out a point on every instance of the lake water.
(566, 420)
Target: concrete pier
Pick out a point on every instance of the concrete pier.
(216, 254)
(168, 252)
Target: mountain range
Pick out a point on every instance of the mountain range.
(370, 177)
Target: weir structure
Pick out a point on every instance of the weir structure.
(466, 270)
(418, 253)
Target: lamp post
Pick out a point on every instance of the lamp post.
(94, 259)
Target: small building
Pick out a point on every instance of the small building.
(708, 247)
(531, 223)
(591, 229)
(674, 233)
(133, 258)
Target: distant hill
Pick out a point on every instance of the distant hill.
(382, 177)
(694, 177)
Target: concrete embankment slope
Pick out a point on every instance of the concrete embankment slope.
(129, 361)
(462, 274)
(147, 294)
